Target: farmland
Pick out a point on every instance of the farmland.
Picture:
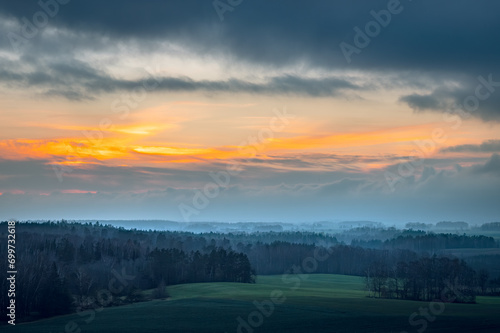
(303, 303)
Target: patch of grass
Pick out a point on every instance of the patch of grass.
(315, 303)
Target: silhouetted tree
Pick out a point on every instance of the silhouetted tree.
(55, 297)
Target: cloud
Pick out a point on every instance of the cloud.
(76, 80)
(490, 146)
(307, 195)
(342, 187)
(279, 48)
(272, 36)
(288, 31)
(492, 166)
(422, 102)
(471, 194)
(470, 96)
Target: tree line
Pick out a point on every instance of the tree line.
(425, 242)
(84, 259)
(64, 268)
(426, 279)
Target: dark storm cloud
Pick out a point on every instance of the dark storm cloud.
(492, 166)
(422, 102)
(425, 35)
(490, 146)
(475, 97)
(450, 39)
(8, 76)
(77, 80)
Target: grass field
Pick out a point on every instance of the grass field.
(313, 303)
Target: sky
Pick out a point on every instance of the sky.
(239, 110)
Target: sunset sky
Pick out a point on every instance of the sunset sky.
(135, 110)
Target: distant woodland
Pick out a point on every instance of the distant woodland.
(66, 267)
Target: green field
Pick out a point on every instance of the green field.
(321, 303)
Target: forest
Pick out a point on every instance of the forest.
(427, 279)
(83, 264)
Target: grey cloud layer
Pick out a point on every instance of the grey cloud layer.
(78, 80)
(445, 35)
(490, 146)
(476, 96)
(452, 39)
(469, 193)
